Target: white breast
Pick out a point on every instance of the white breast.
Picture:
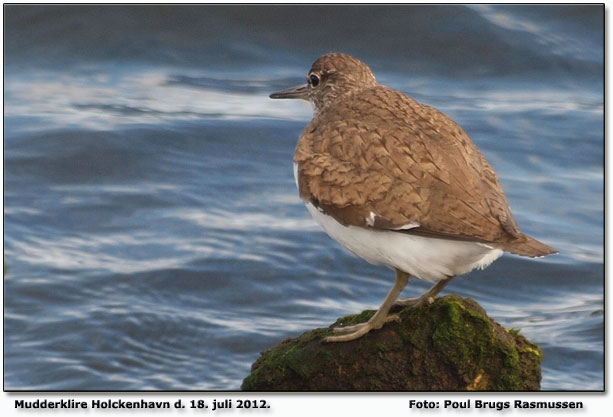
(426, 258)
(296, 174)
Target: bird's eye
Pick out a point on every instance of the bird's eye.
(314, 80)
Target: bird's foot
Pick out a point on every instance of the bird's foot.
(378, 319)
(356, 331)
(424, 300)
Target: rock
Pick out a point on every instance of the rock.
(450, 345)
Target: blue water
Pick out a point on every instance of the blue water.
(154, 238)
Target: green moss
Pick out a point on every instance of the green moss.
(449, 345)
(291, 356)
(514, 331)
(510, 355)
(468, 331)
(535, 351)
(363, 317)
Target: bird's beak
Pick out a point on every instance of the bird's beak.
(300, 91)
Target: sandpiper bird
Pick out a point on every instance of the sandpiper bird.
(398, 183)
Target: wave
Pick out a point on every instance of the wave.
(466, 41)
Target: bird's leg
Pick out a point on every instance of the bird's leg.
(379, 318)
(427, 298)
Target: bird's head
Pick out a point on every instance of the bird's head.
(331, 76)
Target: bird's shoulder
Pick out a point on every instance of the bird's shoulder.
(384, 118)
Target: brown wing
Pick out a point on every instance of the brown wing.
(407, 164)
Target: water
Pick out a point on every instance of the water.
(154, 238)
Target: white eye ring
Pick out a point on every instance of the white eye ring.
(313, 80)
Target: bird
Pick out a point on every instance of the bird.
(398, 183)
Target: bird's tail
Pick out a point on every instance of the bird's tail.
(527, 246)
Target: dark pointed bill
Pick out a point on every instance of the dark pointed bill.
(300, 91)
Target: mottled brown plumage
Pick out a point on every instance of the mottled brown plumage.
(370, 148)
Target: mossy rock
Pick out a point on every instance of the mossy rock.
(450, 345)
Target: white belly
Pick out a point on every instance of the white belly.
(426, 258)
